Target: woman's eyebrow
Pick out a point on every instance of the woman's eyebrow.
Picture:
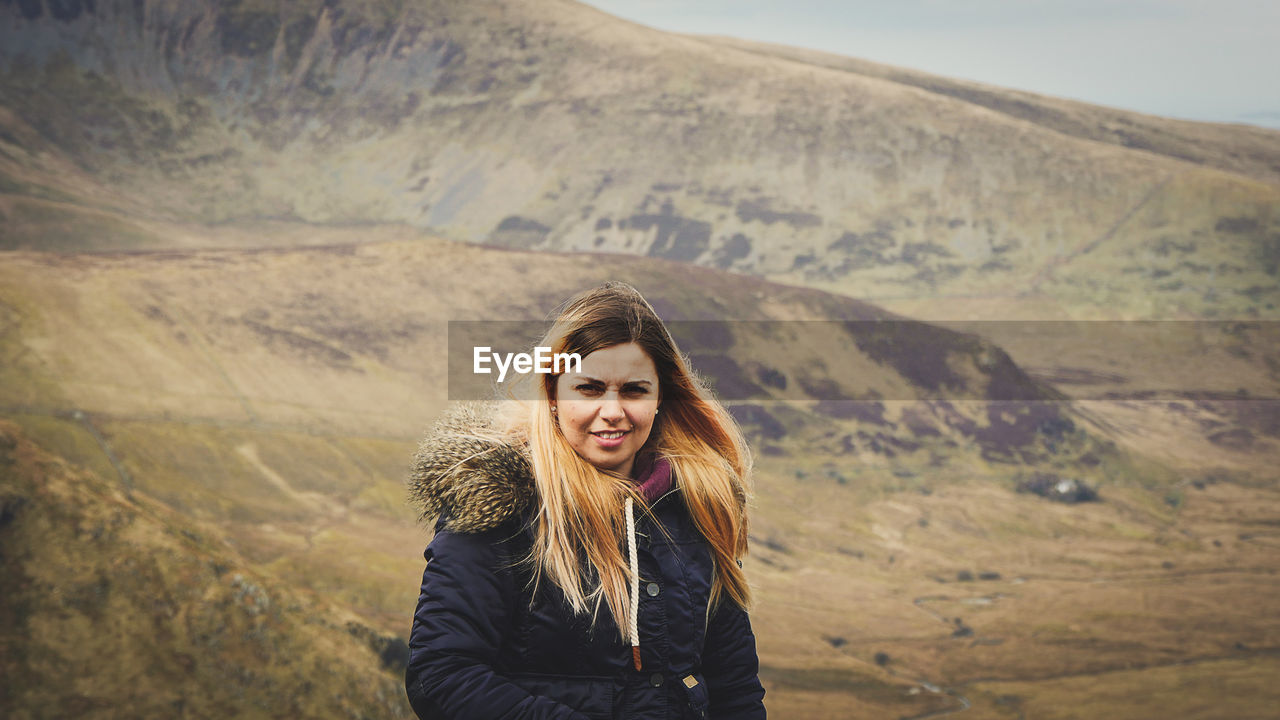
(590, 379)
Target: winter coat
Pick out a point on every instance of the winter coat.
(485, 647)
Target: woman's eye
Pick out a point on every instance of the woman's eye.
(635, 390)
(588, 389)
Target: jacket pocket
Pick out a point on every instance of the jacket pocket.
(592, 696)
(696, 694)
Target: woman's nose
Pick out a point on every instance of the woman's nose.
(611, 408)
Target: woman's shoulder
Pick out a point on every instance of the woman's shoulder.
(500, 547)
(470, 478)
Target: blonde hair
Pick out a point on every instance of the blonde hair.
(579, 527)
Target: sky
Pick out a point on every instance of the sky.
(1214, 60)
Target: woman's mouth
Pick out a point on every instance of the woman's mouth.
(610, 438)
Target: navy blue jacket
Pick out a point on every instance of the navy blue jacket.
(484, 648)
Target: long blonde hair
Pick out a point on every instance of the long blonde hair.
(579, 526)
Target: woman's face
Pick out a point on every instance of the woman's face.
(606, 411)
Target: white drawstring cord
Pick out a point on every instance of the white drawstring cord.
(635, 585)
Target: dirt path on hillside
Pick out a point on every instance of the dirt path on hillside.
(314, 501)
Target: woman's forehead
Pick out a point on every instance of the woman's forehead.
(618, 363)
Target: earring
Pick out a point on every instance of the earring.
(553, 409)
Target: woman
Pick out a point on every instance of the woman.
(587, 555)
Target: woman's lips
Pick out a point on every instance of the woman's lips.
(610, 438)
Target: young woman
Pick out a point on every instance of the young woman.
(587, 557)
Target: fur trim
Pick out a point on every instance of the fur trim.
(474, 483)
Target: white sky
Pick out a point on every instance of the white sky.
(1213, 60)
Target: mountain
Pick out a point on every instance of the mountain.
(550, 125)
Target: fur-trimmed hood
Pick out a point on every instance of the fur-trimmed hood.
(475, 483)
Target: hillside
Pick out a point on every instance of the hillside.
(273, 397)
(1239, 149)
(552, 126)
(116, 606)
(349, 340)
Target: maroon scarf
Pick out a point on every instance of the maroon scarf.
(653, 477)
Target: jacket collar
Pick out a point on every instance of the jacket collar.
(653, 476)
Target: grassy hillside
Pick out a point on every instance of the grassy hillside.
(118, 606)
(1239, 149)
